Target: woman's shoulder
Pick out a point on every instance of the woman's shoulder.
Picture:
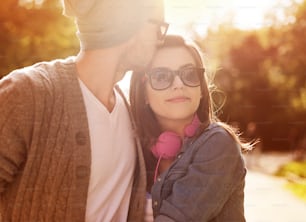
(216, 135)
(216, 130)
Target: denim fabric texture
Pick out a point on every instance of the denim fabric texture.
(205, 182)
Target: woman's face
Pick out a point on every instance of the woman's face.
(177, 103)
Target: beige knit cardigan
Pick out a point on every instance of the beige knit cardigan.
(45, 148)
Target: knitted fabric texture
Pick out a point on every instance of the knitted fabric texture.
(45, 155)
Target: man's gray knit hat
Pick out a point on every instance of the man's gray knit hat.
(105, 23)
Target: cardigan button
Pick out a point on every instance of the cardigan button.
(80, 138)
(155, 203)
(82, 171)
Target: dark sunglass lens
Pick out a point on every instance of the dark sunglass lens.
(160, 78)
(190, 77)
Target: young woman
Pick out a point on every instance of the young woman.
(195, 169)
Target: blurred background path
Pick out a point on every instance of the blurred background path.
(266, 198)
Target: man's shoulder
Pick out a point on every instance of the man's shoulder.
(44, 66)
(40, 77)
(45, 70)
(49, 67)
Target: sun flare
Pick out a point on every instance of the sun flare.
(244, 14)
(187, 16)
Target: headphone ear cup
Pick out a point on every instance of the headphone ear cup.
(191, 129)
(167, 145)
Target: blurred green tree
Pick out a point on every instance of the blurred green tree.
(290, 44)
(34, 31)
(263, 76)
(286, 70)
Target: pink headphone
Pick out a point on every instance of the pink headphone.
(169, 143)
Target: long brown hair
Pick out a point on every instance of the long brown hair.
(147, 126)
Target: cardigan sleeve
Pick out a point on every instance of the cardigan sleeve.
(216, 169)
(13, 119)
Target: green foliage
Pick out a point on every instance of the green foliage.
(295, 172)
(289, 44)
(263, 75)
(293, 168)
(298, 189)
(34, 33)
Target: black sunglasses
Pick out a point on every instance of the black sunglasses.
(163, 28)
(162, 78)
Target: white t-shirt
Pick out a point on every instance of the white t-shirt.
(113, 159)
(148, 210)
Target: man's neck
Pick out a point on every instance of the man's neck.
(98, 70)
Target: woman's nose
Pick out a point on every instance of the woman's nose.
(177, 82)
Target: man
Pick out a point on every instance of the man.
(67, 151)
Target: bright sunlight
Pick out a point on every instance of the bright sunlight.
(200, 14)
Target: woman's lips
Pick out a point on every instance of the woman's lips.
(178, 99)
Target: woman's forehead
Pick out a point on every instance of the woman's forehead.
(172, 57)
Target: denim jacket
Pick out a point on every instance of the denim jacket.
(204, 183)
